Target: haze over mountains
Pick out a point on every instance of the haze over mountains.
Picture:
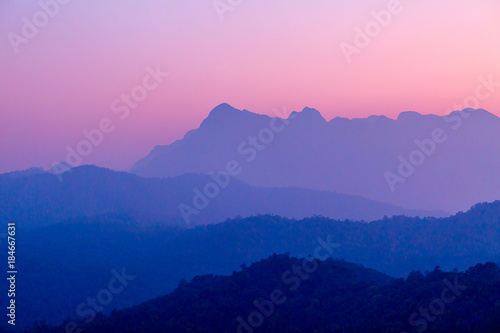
(415, 161)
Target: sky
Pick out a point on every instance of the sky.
(69, 74)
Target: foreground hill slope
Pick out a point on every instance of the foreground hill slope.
(283, 294)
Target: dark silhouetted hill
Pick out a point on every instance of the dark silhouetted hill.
(283, 294)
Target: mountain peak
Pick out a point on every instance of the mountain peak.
(477, 112)
(222, 109)
(223, 114)
(409, 115)
(309, 114)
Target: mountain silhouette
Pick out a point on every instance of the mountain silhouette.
(35, 198)
(415, 161)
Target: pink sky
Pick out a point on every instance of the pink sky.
(263, 55)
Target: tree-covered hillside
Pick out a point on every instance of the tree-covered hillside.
(89, 249)
(283, 294)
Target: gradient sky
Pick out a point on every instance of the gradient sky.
(264, 55)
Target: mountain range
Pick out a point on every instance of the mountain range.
(415, 161)
(65, 263)
(374, 191)
(35, 198)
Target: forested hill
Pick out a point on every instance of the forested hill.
(88, 249)
(283, 294)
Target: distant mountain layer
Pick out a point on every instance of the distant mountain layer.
(416, 161)
(74, 260)
(43, 198)
(283, 294)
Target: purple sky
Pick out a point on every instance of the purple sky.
(262, 55)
